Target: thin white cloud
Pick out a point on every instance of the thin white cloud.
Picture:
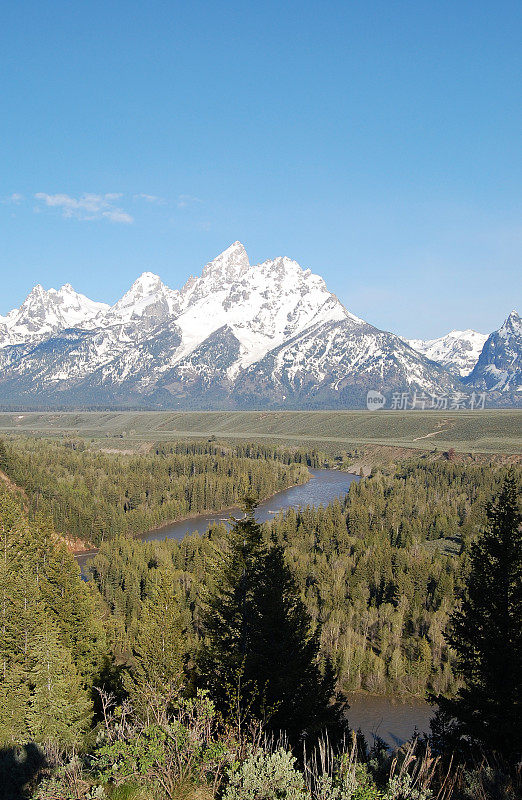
(117, 215)
(149, 198)
(13, 199)
(87, 207)
(188, 201)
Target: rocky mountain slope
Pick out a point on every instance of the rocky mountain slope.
(238, 336)
(499, 367)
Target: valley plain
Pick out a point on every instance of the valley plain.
(492, 431)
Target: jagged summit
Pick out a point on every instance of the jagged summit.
(499, 367)
(512, 325)
(45, 312)
(236, 336)
(147, 281)
(147, 297)
(262, 304)
(37, 291)
(230, 264)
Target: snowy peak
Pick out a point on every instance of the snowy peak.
(229, 265)
(512, 326)
(223, 271)
(148, 298)
(333, 364)
(45, 312)
(263, 305)
(237, 336)
(499, 367)
(75, 308)
(146, 284)
(458, 351)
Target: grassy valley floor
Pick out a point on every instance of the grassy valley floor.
(489, 431)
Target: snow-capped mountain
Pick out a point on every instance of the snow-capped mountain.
(262, 305)
(335, 363)
(458, 351)
(238, 336)
(45, 312)
(147, 302)
(499, 367)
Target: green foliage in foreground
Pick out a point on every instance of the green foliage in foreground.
(52, 644)
(155, 737)
(188, 755)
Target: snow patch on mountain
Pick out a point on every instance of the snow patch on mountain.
(262, 305)
(238, 335)
(148, 300)
(337, 362)
(458, 351)
(512, 327)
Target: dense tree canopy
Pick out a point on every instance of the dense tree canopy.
(362, 590)
(486, 632)
(382, 602)
(93, 495)
(52, 641)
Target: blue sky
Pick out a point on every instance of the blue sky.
(378, 143)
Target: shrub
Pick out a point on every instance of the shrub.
(175, 754)
(266, 776)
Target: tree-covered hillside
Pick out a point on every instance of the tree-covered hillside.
(94, 496)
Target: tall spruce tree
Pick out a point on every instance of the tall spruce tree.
(4, 459)
(487, 634)
(295, 696)
(228, 617)
(59, 709)
(50, 640)
(15, 696)
(160, 647)
(259, 654)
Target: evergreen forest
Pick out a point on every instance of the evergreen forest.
(221, 665)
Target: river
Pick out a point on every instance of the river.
(393, 720)
(324, 486)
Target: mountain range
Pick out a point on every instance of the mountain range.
(238, 336)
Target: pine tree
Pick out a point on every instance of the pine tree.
(14, 702)
(59, 709)
(70, 600)
(160, 643)
(228, 616)
(294, 695)
(487, 633)
(4, 458)
(49, 638)
(259, 651)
